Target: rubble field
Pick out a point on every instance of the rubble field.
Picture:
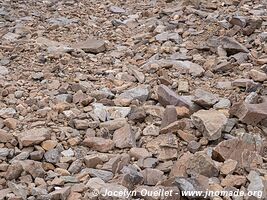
(133, 99)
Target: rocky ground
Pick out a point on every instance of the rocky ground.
(130, 96)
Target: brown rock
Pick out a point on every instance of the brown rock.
(257, 75)
(233, 181)
(228, 167)
(60, 194)
(186, 136)
(210, 123)
(91, 161)
(11, 123)
(49, 144)
(34, 168)
(182, 112)
(152, 176)
(250, 113)
(13, 171)
(168, 97)
(193, 146)
(180, 166)
(99, 144)
(5, 136)
(33, 136)
(138, 153)
(91, 46)
(169, 116)
(124, 137)
(173, 127)
(200, 163)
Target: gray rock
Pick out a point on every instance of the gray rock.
(165, 36)
(222, 104)
(52, 156)
(116, 9)
(124, 137)
(104, 175)
(205, 98)
(3, 70)
(91, 46)
(141, 93)
(7, 112)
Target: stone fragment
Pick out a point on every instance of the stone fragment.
(13, 171)
(91, 46)
(173, 127)
(168, 97)
(104, 175)
(257, 75)
(131, 176)
(152, 176)
(228, 167)
(210, 123)
(193, 146)
(200, 163)
(116, 9)
(256, 184)
(52, 156)
(169, 116)
(5, 136)
(7, 112)
(180, 166)
(91, 161)
(33, 136)
(233, 181)
(124, 137)
(205, 98)
(99, 144)
(115, 124)
(60, 194)
(151, 130)
(188, 137)
(232, 46)
(34, 168)
(138, 153)
(189, 67)
(250, 113)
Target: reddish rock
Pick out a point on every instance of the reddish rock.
(250, 113)
(99, 144)
(124, 137)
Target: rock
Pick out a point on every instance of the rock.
(250, 113)
(38, 76)
(165, 36)
(183, 86)
(228, 167)
(34, 136)
(115, 124)
(232, 46)
(116, 9)
(147, 163)
(14, 171)
(3, 70)
(256, 183)
(151, 130)
(7, 112)
(91, 46)
(257, 75)
(52, 156)
(186, 136)
(168, 97)
(91, 161)
(11, 123)
(152, 176)
(173, 127)
(131, 177)
(180, 166)
(99, 144)
(81, 124)
(233, 180)
(5, 136)
(60, 194)
(210, 123)
(124, 137)
(189, 67)
(233, 149)
(222, 104)
(4, 152)
(138, 153)
(193, 146)
(200, 163)
(49, 144)
(141, 93)
(104, 175)
(169, 116)
(34, 168)
(182, 112)
(18, 189)
(204, 98)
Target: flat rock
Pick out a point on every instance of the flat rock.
(5, 136)
(116, 9)
(210, 123)
(152, 176)
(233, 180)
(91, 46)
(138, 153)
(99, 144)
(34, 136)
(205, 98)
(124, 137)
(257, 75)
(180, 166)
(250, 113)
(169, 116)
(114, 124)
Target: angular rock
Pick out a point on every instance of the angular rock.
(228, 167)
(124, 137)
(60, 194)
(99, 144)
(152, 176)
(233, 180)
(138, 153)
(257, 75)
(5, 136)
(173, 127)
(151, 130)
(169, 116)
(205, 98)
(180, 166)
(250, 113)
(112, 125)
(210, 123)
(91, 46)
(200, 163)
(232, 46)
(33, 136)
